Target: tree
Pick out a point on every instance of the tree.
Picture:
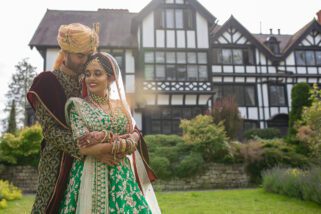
(18, 88)
(12, 125)
(300, 97)
(226, 111)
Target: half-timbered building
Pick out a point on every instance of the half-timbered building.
(177, 61)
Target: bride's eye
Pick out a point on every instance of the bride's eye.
(87, 74)
(98, 73)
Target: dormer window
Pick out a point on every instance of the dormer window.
(273, 44)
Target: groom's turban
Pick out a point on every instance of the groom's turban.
(77, 38)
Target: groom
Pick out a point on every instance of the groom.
(47, 95)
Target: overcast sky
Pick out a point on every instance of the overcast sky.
(20, 19)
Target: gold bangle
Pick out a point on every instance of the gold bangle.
(123, 146)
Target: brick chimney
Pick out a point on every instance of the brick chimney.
(319, 16)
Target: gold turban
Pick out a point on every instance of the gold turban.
(76, 38)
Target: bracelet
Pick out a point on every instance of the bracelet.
(105, 136)
(123, 147)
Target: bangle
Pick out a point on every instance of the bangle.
(105, 136)
(123, 146)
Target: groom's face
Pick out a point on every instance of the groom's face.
(76, 62)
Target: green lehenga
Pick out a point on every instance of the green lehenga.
(94, 187)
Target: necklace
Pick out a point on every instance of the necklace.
(99, 100)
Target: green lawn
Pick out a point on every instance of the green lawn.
(219, 201)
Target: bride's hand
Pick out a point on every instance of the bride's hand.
(109, 159)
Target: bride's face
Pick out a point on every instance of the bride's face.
(96, 78)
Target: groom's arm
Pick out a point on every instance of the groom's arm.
(55, 134)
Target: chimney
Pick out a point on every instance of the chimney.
(319, 16)
(279, 31)
(271, 31)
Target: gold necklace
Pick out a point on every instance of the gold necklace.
(98, 99)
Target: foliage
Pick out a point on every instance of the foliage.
(309, 128)
(262, 154)
(300, 95)
(171, 157)
(22, 148)
(12, 125)
(208, 138)
(268, 133)
(20, 84)
(294, 182)
(226, 111)
(8, 192)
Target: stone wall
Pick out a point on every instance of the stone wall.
(24, 177)
(217, 176)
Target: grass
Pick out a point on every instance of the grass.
(217, 201)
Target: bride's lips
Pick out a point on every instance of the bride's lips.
(92, 85)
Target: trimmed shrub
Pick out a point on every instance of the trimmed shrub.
(190, 165)
(207, 138)
(22, 148)
(172, 157)
(268, 133)
(161, 166)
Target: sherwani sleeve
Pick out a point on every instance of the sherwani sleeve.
(55, 134)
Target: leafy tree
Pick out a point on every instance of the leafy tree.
(300, 97)
(18, 88)
(12, 125)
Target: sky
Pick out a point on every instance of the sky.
(20, 19)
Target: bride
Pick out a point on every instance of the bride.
(102, 124)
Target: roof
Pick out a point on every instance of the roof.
(283, 39)
(114, 27)
(235, 23)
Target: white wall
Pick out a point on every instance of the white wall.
(51, 58)
(202, 31)
(148, 31)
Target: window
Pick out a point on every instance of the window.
(176, 66)
(189, 19)
(273, 44)
(166, 120)
(245, 95)
(318, 57)
(233, 56)
(307, 57)
(169, 18)
(277, 96)
(178, 18)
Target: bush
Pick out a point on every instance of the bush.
(207, 138)
(22, 148)
(161, 166)
(227, 112)
(260, 155)
(190, 165)
(8, 191)
(172, 157)
(268, 133)
(299, 98)
(294, 182)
